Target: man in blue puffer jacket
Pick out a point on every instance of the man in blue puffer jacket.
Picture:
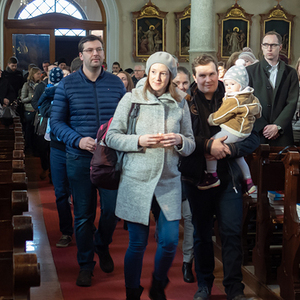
(83, 101)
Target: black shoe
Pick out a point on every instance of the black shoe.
(157, 289)
(188, 275)
(105, 261)
(84, 278)
(64, 241)
(134, 294)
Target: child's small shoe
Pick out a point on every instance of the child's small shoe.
(250, 187)
(210, 181)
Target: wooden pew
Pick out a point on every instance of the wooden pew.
(288, 272)
(18, 270)
(268, 240)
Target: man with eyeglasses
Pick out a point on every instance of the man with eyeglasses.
(276, 86)
(139, 73)
(83, 101)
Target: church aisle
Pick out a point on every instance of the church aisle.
(59, 267)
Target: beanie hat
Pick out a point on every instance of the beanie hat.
(248, 56)
(61, 60)
(162, 58)
(238, 74)
(56, 75)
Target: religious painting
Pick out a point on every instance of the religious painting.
(31, 48)
(280, 21)
(149, 27)
(234, 31)
(183, 20)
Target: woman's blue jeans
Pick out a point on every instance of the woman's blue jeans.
(168, 233)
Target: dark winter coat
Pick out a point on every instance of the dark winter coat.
(193, 167)
(278, 105)
(80, 106)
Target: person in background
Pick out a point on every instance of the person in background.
(104, 66)
(276, 85)
(183, 81)
(150, 173)
(224, 202)
(248, 57)
(58, 163)
(7, 93)
(14, 76)
(232, 59)
(75, 64)
(62, 63)
(30, 66)
(221, 70)
(45, 65)
(82, 102)
(139, 73)
(125, 77)
(296, 118)
(116, 68)
(29, 114)
(66, 72)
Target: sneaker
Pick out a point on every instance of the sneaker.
(105, 261)
(240, 297)
(209, 181)
(250, 189)
(64, 241)
(202, 293)
(84, 278)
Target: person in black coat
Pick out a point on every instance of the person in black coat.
(276, 86)
(7, 94)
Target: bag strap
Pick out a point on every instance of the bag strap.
(133, 114)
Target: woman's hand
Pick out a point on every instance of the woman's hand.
(147, 140)
(171, 139)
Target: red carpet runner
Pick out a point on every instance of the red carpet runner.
(109, 286)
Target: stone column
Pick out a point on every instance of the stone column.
(202, 33)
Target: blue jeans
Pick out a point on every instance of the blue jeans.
(85, 202)
(62, 190)
(228, 208)
(168, 233)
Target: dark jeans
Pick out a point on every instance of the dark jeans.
(228, 208)
(62, 190)
(85, 202)
(168, 233)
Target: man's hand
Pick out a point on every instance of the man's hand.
(87, 143)
(218, 149)
(271, 132)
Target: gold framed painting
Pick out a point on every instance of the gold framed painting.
(277, 19)
(149, 31)
(183, 21)
(234, 31)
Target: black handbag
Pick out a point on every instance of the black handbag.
(106, 163)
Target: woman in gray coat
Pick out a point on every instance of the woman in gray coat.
(150, 173)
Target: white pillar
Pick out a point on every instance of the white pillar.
(202, 28)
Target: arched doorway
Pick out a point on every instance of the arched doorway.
(47, 23)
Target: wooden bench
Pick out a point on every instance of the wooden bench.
(288, 272)
(268, 241)
(18, 270)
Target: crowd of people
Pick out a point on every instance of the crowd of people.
(184, 160)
